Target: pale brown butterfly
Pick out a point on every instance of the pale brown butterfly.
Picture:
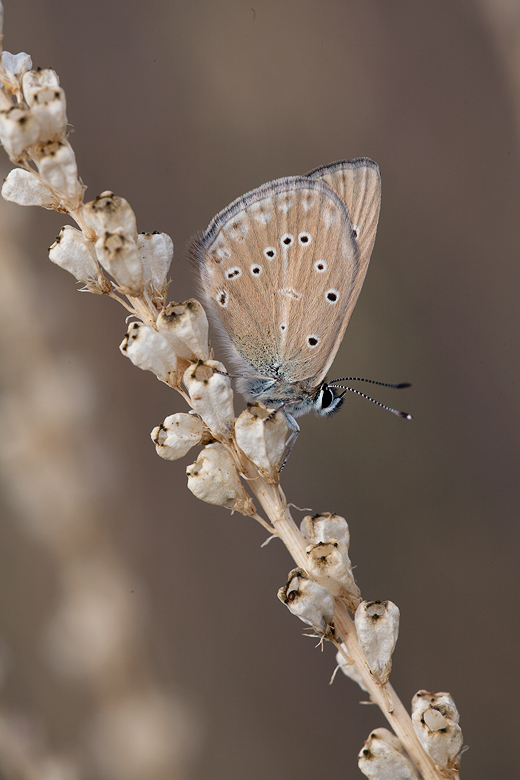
(281, 269)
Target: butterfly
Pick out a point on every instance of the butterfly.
(280, 270)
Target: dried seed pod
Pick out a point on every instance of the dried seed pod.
(185, 325)
(57, 166)
(15, 65)
(75, 254)
(177, 435)
(19, 129)
(328, 566)
(214, 478)
(435, 719)
(349, 668)
(383, 758)
(309, 601)
(377, 626)
(211, 396)
(46, 99)
(156, 250)
(117, 253)
(27, 189)
(263, 440)
(321, 528)
(148, 350)
(109, 213)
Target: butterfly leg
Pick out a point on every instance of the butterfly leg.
(291, 441)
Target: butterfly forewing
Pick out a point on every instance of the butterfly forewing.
(278, 269)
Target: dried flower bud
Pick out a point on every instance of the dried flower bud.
(214, 478)
(148, 350)
(117, 253)
(46, 99)
(57, 166)
(27, 189)
(435, 720)
(309, 601)
(109, 213)
(377, 626)
(263, 440)
(156, 250)
(177, 435)
(75, 254)
(211, 396)
(383, 758)
(185, 325)
(19, 129)
(329, 567)
(349, 668)
(16, 64)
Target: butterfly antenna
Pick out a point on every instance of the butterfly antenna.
(373, 400)
(370, 381)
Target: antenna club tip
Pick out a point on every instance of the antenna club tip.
(403, 384)
(405, 415)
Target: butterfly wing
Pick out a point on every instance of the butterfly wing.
(280, 271)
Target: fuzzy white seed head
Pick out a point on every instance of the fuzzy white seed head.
(435, 720)
(19, 129)
(148, 350)
(27, 189)
(177, 435)
(211, 396)
(377, 626)
(333, 570)
(214, 478)
(117, 253)
(185, 325)
(383, 758)
(57, 166)
(156, 250)
(349, 668)
(75, 254)
(109, 213)
(309, 601)
(263, 440)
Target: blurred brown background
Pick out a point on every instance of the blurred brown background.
(181, 106)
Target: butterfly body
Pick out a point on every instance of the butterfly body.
(281, 269)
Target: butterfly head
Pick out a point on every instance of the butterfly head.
(327, 400)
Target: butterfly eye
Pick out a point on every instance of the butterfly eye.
(270, 252)
(313, 341)
(256, 269)
(332, 296)
(287, 239)
(320, 266)
(304, 238)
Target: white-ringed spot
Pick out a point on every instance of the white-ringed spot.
(332, 295)
(313, 341)
(287, 239)
(355, 230)
(320, 266)
(283, 327)
(304, 238)
(222, 298)
(256, 269)
(233, 273)
(270, 252)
